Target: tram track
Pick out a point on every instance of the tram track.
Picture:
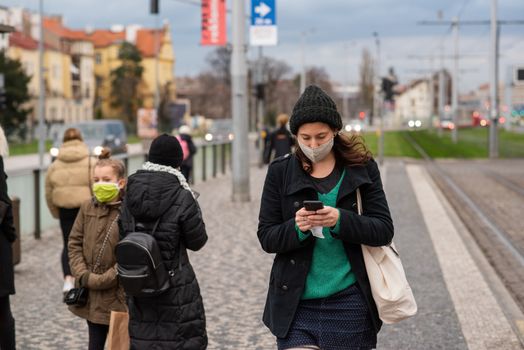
(503, 249)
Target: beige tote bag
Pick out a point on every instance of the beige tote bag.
(389, 286)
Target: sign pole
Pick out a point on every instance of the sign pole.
(239, 106)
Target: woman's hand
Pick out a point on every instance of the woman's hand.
(302, 219)
(325, 217)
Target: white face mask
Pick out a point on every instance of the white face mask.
(318, 153)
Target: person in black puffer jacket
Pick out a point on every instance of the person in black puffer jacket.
(175, 319)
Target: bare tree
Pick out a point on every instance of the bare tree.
(366, 83)
(274, 71)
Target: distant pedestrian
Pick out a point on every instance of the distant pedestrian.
(91, 249)
(67, 186)
(7, 237)
(188, 150)
(159, 195)
(319, 295)
(280, 141)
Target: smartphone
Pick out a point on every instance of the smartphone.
(313, 205)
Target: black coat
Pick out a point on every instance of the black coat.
(7, 236)
(192, 150)
(280, 142)
(175, 319)
(286, 186)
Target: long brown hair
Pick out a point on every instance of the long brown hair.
(349, 151)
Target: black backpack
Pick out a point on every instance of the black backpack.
(140, 268)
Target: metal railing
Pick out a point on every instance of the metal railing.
(28, 184)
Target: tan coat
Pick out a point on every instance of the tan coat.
(85, 243)
(67, 182)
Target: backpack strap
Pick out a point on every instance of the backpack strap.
(157, 222)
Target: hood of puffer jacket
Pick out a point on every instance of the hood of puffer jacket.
(149, 194)
(73, 151)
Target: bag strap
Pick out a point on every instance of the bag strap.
(157, 222)
(359, 202)
(97, 263)
(359, 210)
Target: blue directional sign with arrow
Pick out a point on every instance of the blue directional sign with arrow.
(263, 29)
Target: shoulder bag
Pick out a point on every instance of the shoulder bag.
(78, 296)
(389, 286)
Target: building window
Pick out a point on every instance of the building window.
(98, 58)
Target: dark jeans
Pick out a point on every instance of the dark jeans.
(7, 325)
(67, 219)
(97, 335)
(186, 171)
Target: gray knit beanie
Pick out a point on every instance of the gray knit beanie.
(314, 106)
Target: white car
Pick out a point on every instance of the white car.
(354, 126)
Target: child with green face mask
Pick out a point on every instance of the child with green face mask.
(91, 250)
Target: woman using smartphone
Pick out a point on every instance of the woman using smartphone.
(319, 295)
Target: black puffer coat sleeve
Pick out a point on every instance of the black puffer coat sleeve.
(7, 224)
(276, 233)
(193, 227)
(374, 227)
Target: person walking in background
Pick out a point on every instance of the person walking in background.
(319, 295)
(91, 249)
(159, 196)
(7, 237)
(188, 150)
(67, 186)
(280, 141)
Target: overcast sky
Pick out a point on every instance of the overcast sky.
(338, 32)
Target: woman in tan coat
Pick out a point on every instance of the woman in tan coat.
(91, 250)
(67, 186)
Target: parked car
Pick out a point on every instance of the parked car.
(220, 130)
(354, 126)
(414, 123)
(97, 134)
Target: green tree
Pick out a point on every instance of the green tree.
(126, 81)
(14, 112)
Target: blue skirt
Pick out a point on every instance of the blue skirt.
(339, 322)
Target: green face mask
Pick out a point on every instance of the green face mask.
(105, 191)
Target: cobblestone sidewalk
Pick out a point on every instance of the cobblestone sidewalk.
(232, 271)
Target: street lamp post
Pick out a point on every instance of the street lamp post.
(41, 88)
(494, 66)
(239, 106)
(377, 102)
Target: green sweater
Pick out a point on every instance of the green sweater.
(330, 270)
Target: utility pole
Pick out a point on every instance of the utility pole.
(260, 94)
(494, 78)
(494, 49)
(303, 62)
(441, 92)
(239, 105)
(378, 102)
(41, 88)
(154, 9)
(157, 49)
(455, 82)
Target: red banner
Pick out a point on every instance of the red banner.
(213, 22)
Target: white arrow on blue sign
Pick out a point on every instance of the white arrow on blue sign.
(263, 30)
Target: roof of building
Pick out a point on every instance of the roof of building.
(146, 41)
(18, 39)
(54, 25)
(105, 37)
(145, 38)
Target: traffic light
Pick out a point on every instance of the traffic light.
(387, 89)
(154, 7)
(259, 91)
(362, 115)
